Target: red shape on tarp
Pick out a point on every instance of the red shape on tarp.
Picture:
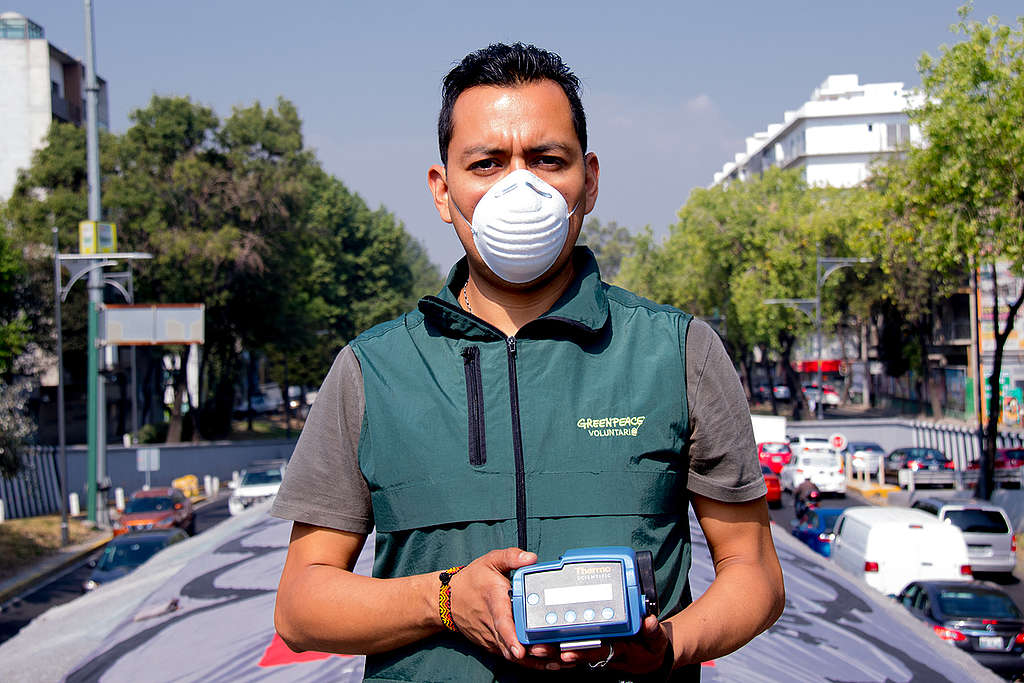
(710, 662)
(279, 654)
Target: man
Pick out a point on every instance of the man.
(526, 410)
(805, 496)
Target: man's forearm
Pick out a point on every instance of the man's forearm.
(742, 601)
(324, 608)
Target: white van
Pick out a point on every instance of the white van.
(890, 547)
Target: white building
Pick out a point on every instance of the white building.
(40, 84)
(834, 136)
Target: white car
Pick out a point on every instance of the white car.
(259, 482)
(823, 467)
(865, 456)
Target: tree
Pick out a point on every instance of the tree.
(735, 246)
(240, 216)
(610, 243)
(966, 184)
(16, 429)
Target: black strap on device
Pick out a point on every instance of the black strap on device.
(645, 574)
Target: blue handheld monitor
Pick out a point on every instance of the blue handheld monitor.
(587, 594)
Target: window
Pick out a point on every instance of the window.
(870, 127)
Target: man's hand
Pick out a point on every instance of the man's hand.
(480, 604)
(642, 654)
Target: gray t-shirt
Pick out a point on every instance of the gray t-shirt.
(324, 486)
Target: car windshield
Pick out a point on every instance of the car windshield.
(775, 448)
(148, 504)
(977, 604)
(870, 447)
(980, 521)
(767, 470)
(261, 477)
(1015, 453)
(129, 554)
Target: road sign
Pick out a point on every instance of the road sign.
(837, 441)
(147, 459)
(96, 238)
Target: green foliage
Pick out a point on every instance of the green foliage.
(16, 429)
(610, 242)
(735, 246)
(239, 216)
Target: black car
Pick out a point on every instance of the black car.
(917, 458)
(126, 553)
(977, 617)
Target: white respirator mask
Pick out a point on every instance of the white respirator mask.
(520, 226)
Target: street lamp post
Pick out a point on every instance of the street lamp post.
(823, 268)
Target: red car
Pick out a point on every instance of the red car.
(159, 508)
(774, 454)
(771, 480)
(1006, 458)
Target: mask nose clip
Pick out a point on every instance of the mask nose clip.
(542, 193)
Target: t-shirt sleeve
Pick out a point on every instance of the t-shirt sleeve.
(323, 484)
(723, 456)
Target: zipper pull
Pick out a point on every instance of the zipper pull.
(511, 341)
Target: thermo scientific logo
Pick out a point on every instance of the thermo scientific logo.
(611, 426)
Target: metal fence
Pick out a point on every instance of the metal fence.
(36, 489)
(962, 444)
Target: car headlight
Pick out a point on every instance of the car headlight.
(89, 585)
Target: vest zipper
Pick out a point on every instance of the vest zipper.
(517, 443)
(475, 406)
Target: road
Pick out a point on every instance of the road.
(68, 585)
(782, 517)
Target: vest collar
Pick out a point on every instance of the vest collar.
(581, 311)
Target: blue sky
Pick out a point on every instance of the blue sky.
(671, 88)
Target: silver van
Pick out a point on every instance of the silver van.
(991, 546)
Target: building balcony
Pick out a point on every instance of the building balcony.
(67, 112)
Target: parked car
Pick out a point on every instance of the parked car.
(889, 547)
(865, 456)
(124, 554)
(823, 467)
(761, 392)
(774, 454)
(976, 617)
(771, 480)
(991, 546)
(811, 393)
(781, 392)
(259, 482)
(916, 458)
(815, 528)
(159, 508)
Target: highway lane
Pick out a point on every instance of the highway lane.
(67, 585)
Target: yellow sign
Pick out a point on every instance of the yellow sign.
(97, 238)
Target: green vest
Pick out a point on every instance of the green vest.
(573, 433)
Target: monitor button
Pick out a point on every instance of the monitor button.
(551, 617)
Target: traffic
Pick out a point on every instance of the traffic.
(949, 559)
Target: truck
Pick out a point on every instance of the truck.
(769, 428)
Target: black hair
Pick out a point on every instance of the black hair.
(508, 66)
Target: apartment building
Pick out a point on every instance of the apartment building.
(41, 84)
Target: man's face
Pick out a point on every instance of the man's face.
(498, 130)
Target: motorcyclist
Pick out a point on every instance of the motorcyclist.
(805, 497)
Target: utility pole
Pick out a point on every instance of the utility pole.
(96, 403)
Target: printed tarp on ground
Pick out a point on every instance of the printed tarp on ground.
(204, 611)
